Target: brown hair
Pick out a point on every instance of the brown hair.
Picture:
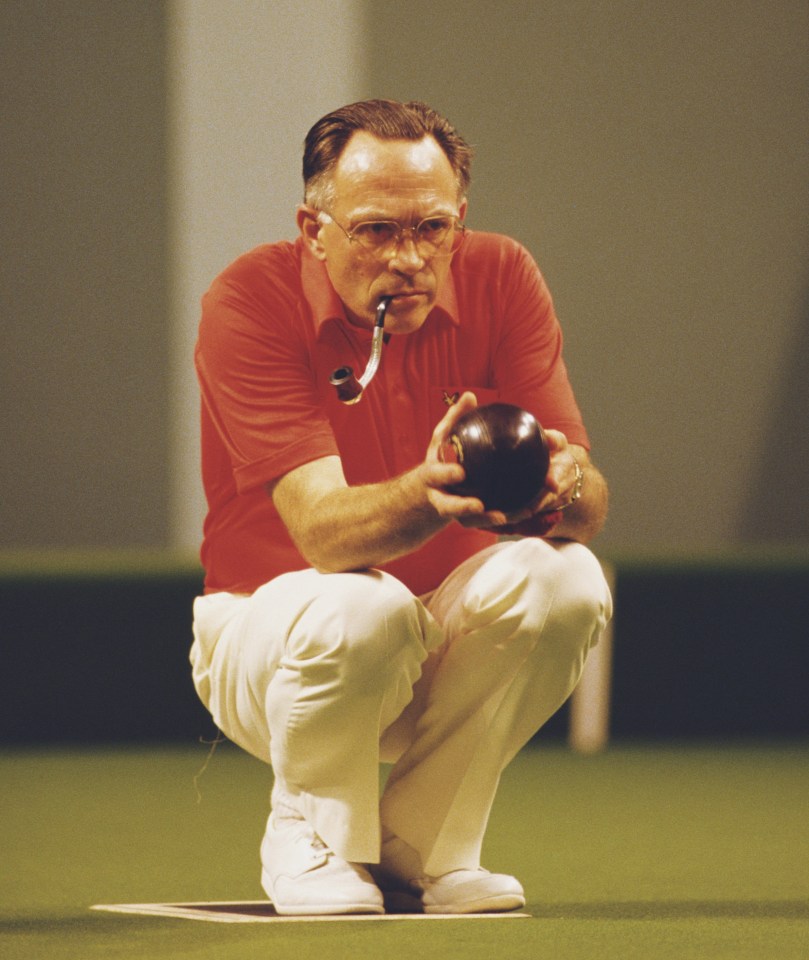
(388, 120)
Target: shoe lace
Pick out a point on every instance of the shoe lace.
(318, 844)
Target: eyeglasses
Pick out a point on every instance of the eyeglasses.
(433, 236)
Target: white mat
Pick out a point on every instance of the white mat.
(262, 911)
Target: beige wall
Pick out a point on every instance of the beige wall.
(84, 454)
(652, 156)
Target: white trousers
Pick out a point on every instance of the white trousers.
(326, 675)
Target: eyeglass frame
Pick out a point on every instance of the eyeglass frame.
(458, 227)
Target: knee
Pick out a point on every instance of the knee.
(566, 598)
(582, 603)
(361, 628)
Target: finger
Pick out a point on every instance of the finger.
(468, 401)
(547, 502)
(439, 475)
(465, 509)
(559, 469)
(555, 439)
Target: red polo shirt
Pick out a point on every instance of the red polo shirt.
(273, 330)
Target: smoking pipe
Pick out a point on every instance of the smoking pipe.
(349, 388)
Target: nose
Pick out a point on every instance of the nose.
(406, 258)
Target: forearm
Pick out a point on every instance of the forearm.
(361, 527)
(336, 527)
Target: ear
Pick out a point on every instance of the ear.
(310, 228)
(462, 209)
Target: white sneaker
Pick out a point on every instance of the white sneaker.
(301, 875)
(458, 891)
(470, 891)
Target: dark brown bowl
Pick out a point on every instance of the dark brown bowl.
(504, 452)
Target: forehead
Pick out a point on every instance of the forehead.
(376, 174)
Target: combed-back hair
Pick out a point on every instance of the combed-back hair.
(387, 120)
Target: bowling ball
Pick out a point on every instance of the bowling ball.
(504, 453)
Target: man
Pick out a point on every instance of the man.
(356, 611)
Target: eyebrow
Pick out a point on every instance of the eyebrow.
(372, 215)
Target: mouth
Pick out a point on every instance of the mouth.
(407, 296)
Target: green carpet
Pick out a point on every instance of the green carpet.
(644, 851)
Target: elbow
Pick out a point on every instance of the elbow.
(322, 553)
(313, 552)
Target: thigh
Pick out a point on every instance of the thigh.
(361, 621)
(238, 643)
(517, 578)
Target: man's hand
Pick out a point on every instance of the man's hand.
(573, 503)
(553, 513)
(438, 475)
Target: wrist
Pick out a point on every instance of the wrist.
(576, 489)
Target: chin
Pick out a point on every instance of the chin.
(405, 324)
(400, 320)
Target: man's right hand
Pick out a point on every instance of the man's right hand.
(438, 475)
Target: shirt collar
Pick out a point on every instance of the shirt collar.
(317, 289)
(326, 305)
